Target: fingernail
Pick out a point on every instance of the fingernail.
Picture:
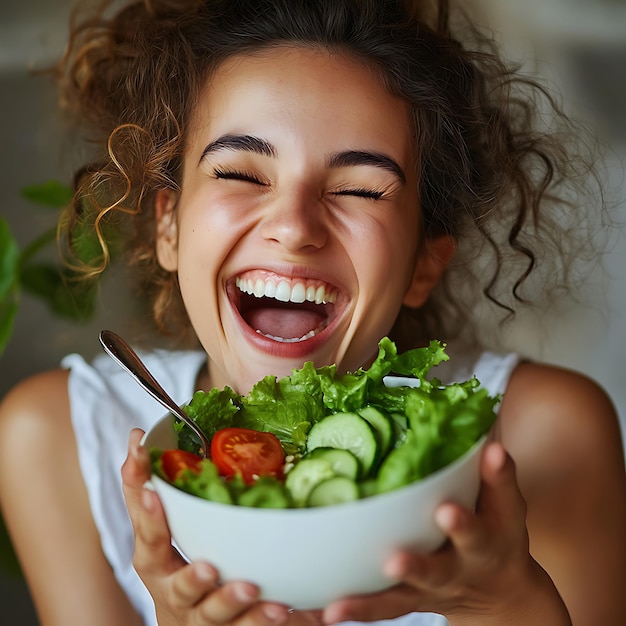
(276, 613)
(332, 616)
(393, 568)
(133, 449)
(134, 443)
(204, 573)
(498, 457)
(244, 593)
(445, 517)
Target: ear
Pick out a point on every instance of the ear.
(167, 229)
(432, 261)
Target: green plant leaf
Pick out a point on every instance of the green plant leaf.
(66, 295)
(8, 311)
(76, 298)
(85, 242)
(51, 193)
(9, 259)
(41, 280)
(9, 282)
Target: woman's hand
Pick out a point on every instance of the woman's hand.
(484, 574)
(185, 593)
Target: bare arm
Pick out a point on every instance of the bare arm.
(564, 435)
(44, 503)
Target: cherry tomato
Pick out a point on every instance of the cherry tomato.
(174, 462)
(249, 453)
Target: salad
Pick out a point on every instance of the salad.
(317, 438)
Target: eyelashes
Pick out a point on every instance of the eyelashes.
(237, 175)
(360, 193)
(247, 177)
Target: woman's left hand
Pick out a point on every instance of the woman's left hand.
(484, 574)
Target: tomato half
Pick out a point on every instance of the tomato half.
(249, 453)
(174, 462)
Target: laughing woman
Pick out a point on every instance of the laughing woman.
(294, 180)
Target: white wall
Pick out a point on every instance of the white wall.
(581, 46)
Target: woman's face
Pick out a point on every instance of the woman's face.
(295, 235)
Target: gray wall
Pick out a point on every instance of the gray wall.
(584, 46)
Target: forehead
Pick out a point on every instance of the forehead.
(304, 91)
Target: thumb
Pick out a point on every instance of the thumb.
(135, 470)
(500, 495)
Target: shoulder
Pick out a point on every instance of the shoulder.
(557, 402)
(37, 404)
(35, 424)
(560, 426)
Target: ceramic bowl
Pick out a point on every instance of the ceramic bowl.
(306, 558)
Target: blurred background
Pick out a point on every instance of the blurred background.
(578, 44)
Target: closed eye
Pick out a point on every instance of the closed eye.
(237, 175)
(360, 193)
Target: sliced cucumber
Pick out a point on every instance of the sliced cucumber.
(381, 425)
(368, 487)
(399, 425)
(265, 493)
(343, 462)
(400, 468)
(347, 431)
(305, 475)
(334, 491)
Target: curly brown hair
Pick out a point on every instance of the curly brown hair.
(490, 176)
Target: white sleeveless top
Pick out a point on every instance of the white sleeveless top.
(106, 403)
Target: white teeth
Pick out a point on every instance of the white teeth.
(285, 292)
(270, 290)
(310, 334)
(320, 294)
(298, 293)
(259, 288)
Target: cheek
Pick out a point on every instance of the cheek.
(210, 230)
(383, 252)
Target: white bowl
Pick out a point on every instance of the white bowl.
(306, 558)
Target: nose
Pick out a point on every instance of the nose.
(296, 221)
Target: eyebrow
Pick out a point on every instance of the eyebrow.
(346, 158)
(245, 143)
(349, 158)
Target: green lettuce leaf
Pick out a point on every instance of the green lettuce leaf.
(212, 411)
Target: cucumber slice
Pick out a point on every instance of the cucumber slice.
(266, 493)
(343, 462)
(368, 487)
(399, 426)
(334, 491)
(381, 425)
(346, 431)
(305, 475)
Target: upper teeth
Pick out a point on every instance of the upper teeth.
(286, 291)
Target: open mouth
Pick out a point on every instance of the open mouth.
(287, 310)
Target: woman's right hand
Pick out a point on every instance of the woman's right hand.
(185, 593)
